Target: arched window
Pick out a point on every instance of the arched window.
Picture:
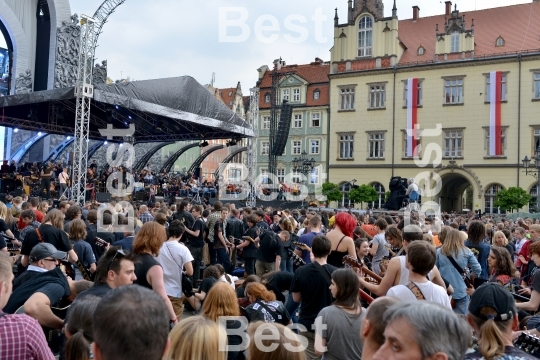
(500, 41)
(365, 36)
(379, 188)
(490, 195)
(454, 42)
(421, 50)
(533, 203)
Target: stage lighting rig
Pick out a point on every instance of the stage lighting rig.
(204, 144)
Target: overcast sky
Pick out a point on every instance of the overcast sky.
(147, 39)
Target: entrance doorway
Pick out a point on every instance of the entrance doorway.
(456, 193)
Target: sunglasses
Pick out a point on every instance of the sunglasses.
(53, 260)
(119, 251)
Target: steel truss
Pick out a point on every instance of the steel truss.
(172, 159)
(227, 160)
(252, 146)
(204, 155)
(84, 91)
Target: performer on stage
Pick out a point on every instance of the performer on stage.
(46, 174)
(63, 178)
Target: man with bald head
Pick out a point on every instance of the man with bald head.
(144, 214)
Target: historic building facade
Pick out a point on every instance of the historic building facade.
(452, 78)
(306, 87)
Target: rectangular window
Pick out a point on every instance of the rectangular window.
(314, 178)
(315, 146)
(296, 147)
(281, 175)
(266, 123)
(265, 148)
(296, 177)
(453, 143)
(264, 176)
(296, 95)
(286, 94)
(488, 88)
(376, 146)
(503, 140)
(315, 120)
(297, 121)
(346, 143)
(346, 99)
(418, 93)
(537, 85)
(316, 95)
(536, 140)
(454, 42)
(377, 96)
(454, 91)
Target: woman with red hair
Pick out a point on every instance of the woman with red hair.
(341, 238)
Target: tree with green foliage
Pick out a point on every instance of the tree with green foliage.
(332, 191)
(513, 198)
(363, 193)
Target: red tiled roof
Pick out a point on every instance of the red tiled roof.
(510, 22)
(226, 98)
(313, 73)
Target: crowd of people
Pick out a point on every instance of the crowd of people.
(177, 281)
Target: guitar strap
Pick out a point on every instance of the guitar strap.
(458, 268)
(324, 272)
(415, 290)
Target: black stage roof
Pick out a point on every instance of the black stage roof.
(172, 109)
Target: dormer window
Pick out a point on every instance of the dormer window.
(454, 42)
(365, 36)
(316, 95)
(421, 50)
(499, 42)
(267, 98)
(230, 93)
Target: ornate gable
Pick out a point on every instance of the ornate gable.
(374, 7)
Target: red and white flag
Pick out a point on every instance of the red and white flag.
(495, 97)
(412, 117)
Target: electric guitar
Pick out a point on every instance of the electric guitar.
(528, 343)
(352, 262)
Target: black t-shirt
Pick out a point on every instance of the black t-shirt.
(234, 339)
(51, 283)
(271, 311)
(96, 290)
(3, 243)
(280, 282)
(270, 247)
(218, 227)
(313, 287)
(51, 235)
(198, 241)
(108, 237)
(3, 228)
(250, 251)
(145, 262)
(207, 284)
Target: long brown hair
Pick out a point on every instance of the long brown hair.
(505, 265)
(79, 327)
(149, 239)
(453, 243)
(77, 229)
(347, 284)
(56, 218)
(220, 301)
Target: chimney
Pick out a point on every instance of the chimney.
(416, 12)
(448, 8)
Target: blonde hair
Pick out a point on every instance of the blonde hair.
(491, 333)
(496, 234)
(287, 340)
(43, 207)
(453, 244)
(196, 338)
(221, 300)
(3, 210)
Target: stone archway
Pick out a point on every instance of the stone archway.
(18, 40)
(457, 185)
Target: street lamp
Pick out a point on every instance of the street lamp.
(529, 171)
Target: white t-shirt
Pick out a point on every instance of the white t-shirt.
(432, 292)
(233, 279)
(172, 257)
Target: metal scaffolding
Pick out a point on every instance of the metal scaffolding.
(251, 200)
(84, 91)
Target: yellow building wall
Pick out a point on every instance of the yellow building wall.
(473, 115)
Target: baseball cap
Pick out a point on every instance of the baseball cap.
(43, 250)
(493, 295)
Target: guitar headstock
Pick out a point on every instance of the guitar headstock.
(351, 261)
